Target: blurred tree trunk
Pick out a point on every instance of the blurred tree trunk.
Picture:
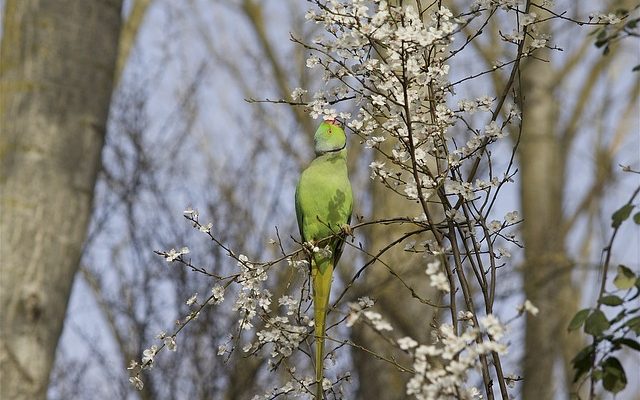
(547, 269)
(544, 150)
(57, 66)
(409, 317)
(128, 35)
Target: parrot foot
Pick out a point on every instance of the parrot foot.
(346, 229)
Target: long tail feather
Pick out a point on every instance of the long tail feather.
(322, 274)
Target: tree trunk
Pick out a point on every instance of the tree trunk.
(408, 316)
(547, 269)
(57, 60)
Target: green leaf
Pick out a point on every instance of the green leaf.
(634, 324)
(597, 374)
(636, 216)
(578, 319)
(582, 361)
(625, 278)
(611, 300)
(596, 323)
(614, 379)
(622, 214)
(628, 342)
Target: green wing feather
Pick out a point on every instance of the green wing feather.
(299, 214)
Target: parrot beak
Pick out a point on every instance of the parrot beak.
(331, 121)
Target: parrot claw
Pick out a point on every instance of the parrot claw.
(346, 229)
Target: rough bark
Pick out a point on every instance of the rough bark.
(56, 71)
(547, 269)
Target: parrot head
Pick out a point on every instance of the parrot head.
(329, 137)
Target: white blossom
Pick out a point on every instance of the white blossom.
(174, 254)
(377, 321)
(324, 252)
(218, 294)
(456, 215)
(289, 303)
(494, 226)
(433, 267)
(365, 302)
(373, 141)
(502, 252)
(298, 93)
(538, 43)
(378, 100)
(312, 61)
(193, 299)
(511, 217)
(136, 382)
(190, 212)
(411, 190)
(493, 130)
(609, 18)
(149, 354)
(440, 282)
(437, 279)
(528, 307)
(283, 336)
(515, 36)
(465, 315)
(493, 326)
(469, 106)
(170, 342)
(528, 19)
(407, 343)
(377, 170)
(206, 228)
(484, 103)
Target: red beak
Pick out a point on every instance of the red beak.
(331, 121)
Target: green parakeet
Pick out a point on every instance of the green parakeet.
(324, 202)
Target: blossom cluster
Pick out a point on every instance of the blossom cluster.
(441, 369)
(252, 296)
(392, 64)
